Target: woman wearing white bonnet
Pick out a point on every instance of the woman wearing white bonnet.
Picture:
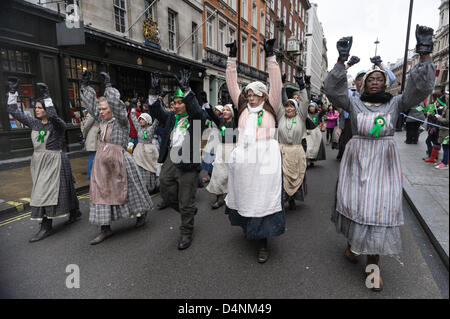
(291, 129)
(146, 154)
(254, 180)
(227, 124)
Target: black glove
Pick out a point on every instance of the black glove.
(353, 60)
(300, 81)
(163, 93)
(343, 46)
(268, 47)
(283, 78)
(376, 60)
(424, 37)
(183, 80)
(233, 49)
(308, 79)
(13, 84)
(42, 90)
(85, 78)
(155, 80)
(106, 79)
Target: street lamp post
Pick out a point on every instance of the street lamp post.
(376, 46)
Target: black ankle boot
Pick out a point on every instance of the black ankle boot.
(45, 231)
(292, 205)
(219, 202)
(73, 217)
(105, 232)
(263, 251)
(140, 221)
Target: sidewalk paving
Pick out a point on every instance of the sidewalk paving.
(426, 189)
(16, 185)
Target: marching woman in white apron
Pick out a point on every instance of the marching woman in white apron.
(227, 124)
(146, 154)
(254, 199)
(53, 194)
(368, 209)
(117, 190)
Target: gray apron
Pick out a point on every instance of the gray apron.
(45, 173)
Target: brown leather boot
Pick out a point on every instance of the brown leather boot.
(352, 257)
(374, 260)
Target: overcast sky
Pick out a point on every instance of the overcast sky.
(366, 20)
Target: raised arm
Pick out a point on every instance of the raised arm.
(212, 115)
(231, 74)
(157, 111)
(304, 101)
(53, 116)
(336, 89)
(420, 84)
(13, 108)
(89, 102)
(134, 119)
(117, 106)
(275, 82)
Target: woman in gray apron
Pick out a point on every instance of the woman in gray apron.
(53, 194)
(146, 154)
(368, 209)
(117, 190)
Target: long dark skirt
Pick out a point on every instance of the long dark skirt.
(260, 227)
(67, 197)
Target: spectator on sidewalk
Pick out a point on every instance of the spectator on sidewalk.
(133, 133)
(444, 136)
(89, 129)
(432, 141)
(331, 117)
(412, 125)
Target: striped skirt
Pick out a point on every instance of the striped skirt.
(368, 207)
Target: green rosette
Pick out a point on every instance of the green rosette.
(222, 129)
(379, 123)
(445, 141)
(260, 115)
(41, 136)
(314, 120)
(144, 134)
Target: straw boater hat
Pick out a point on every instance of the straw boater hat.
(375, 69)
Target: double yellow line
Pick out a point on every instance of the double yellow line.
(22, 216)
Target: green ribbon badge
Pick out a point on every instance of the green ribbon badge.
(144, 134)
(41, 136)
(223, 128)
(379, 123)
(445, 141)
(314, 120)
(260, 114)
